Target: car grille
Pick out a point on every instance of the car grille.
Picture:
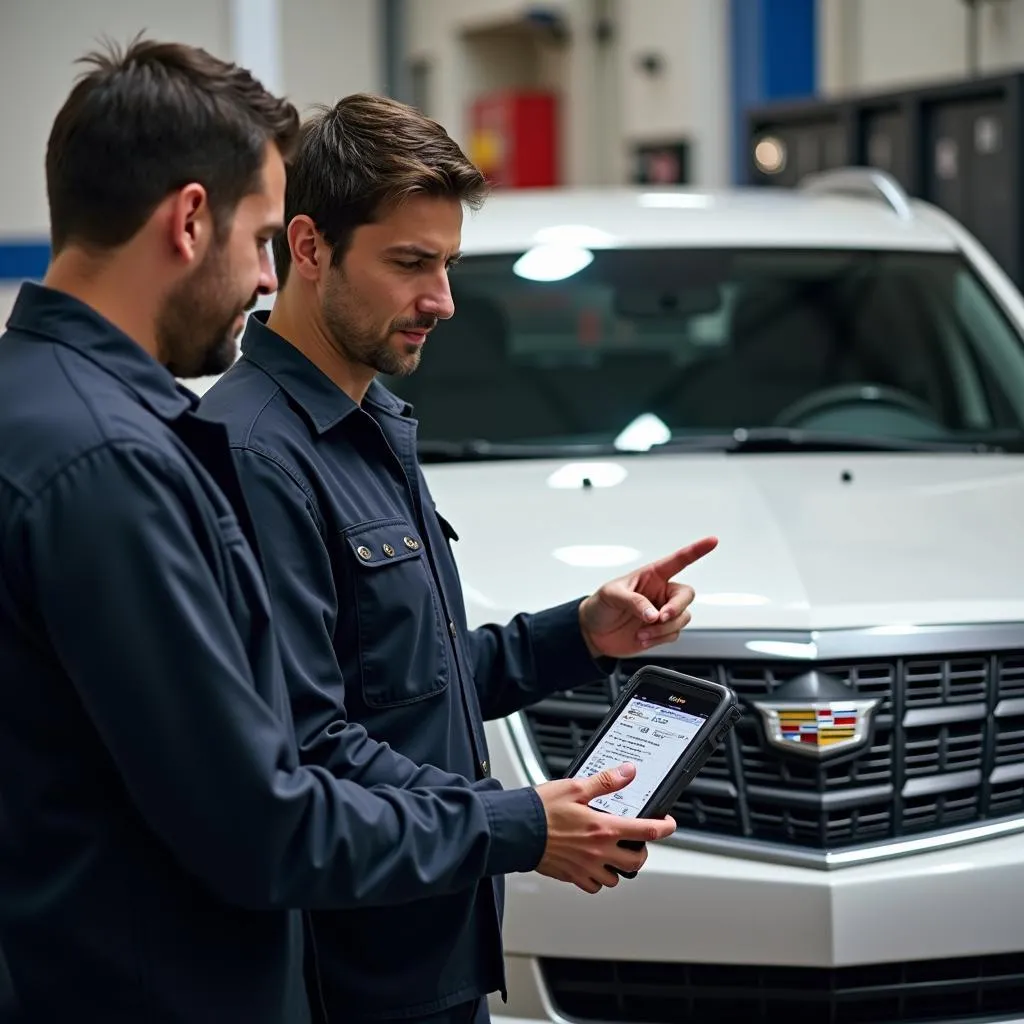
(659, 993)
(947, 751)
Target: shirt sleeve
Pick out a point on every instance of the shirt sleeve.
(138, 597)
(532, 657)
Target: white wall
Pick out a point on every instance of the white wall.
(690, 96)
(325, 49)
(607, 103)
(330, 48)
(873, 45)
(39, 41)
(38, 44)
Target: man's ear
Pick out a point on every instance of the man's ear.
(190, 224)
(311, 255)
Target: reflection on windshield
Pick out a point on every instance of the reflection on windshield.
(642, 348)
(643, 433)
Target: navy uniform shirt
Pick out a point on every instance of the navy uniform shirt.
(155, 823)
(373, 628)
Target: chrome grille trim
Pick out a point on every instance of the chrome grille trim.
(950, 744)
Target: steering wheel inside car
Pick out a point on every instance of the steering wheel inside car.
(828, 399)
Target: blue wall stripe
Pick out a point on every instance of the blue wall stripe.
(773, 56)
(23, 260)
(790, 45)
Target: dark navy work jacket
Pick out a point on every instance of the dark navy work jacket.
(155, 823)
(367, 596)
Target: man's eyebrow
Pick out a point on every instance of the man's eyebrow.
(420, 253)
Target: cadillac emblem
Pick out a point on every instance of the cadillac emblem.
(814, 716)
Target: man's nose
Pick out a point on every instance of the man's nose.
(438, 301)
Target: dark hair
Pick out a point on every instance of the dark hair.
(148, 121)
(357, 159)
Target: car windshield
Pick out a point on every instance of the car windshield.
(677, 347)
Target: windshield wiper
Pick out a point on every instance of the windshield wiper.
(744, 439)
(786, 439)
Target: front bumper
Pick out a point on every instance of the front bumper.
(689, 907)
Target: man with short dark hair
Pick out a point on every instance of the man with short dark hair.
(361, 576)
(157, 823)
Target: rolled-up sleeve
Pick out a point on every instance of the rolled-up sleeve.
(130, 584)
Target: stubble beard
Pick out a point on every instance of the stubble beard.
(360, 344)
(196, 335)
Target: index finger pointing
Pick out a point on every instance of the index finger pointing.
(667, 567)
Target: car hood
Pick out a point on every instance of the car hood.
(806, 541)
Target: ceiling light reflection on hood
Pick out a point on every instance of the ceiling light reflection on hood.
(782, 648)
(570, 477)
(552, 262)
(732, 600)
(675, 201)
(894, 629)
(596, 556)
(474, 596)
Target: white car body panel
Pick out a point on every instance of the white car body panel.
(913, 539)
(750, 218)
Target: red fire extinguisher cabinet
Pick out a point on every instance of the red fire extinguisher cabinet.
(514, 138)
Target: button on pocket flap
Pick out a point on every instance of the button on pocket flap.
(379, 544)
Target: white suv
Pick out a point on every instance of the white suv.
(831, 380)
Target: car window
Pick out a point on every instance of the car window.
(895, 344)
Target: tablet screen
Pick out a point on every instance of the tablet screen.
(652, 731)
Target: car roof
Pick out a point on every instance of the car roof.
(515, 220)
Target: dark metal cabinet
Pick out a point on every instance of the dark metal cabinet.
(886, 143)
(969, 171)
(956, 144)
(804, 138)
(8, 1009)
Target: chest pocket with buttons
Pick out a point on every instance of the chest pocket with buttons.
(402, 645)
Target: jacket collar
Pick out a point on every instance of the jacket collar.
(314, 392)
(57, 317)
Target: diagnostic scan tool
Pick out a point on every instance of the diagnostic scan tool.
(665, 723)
